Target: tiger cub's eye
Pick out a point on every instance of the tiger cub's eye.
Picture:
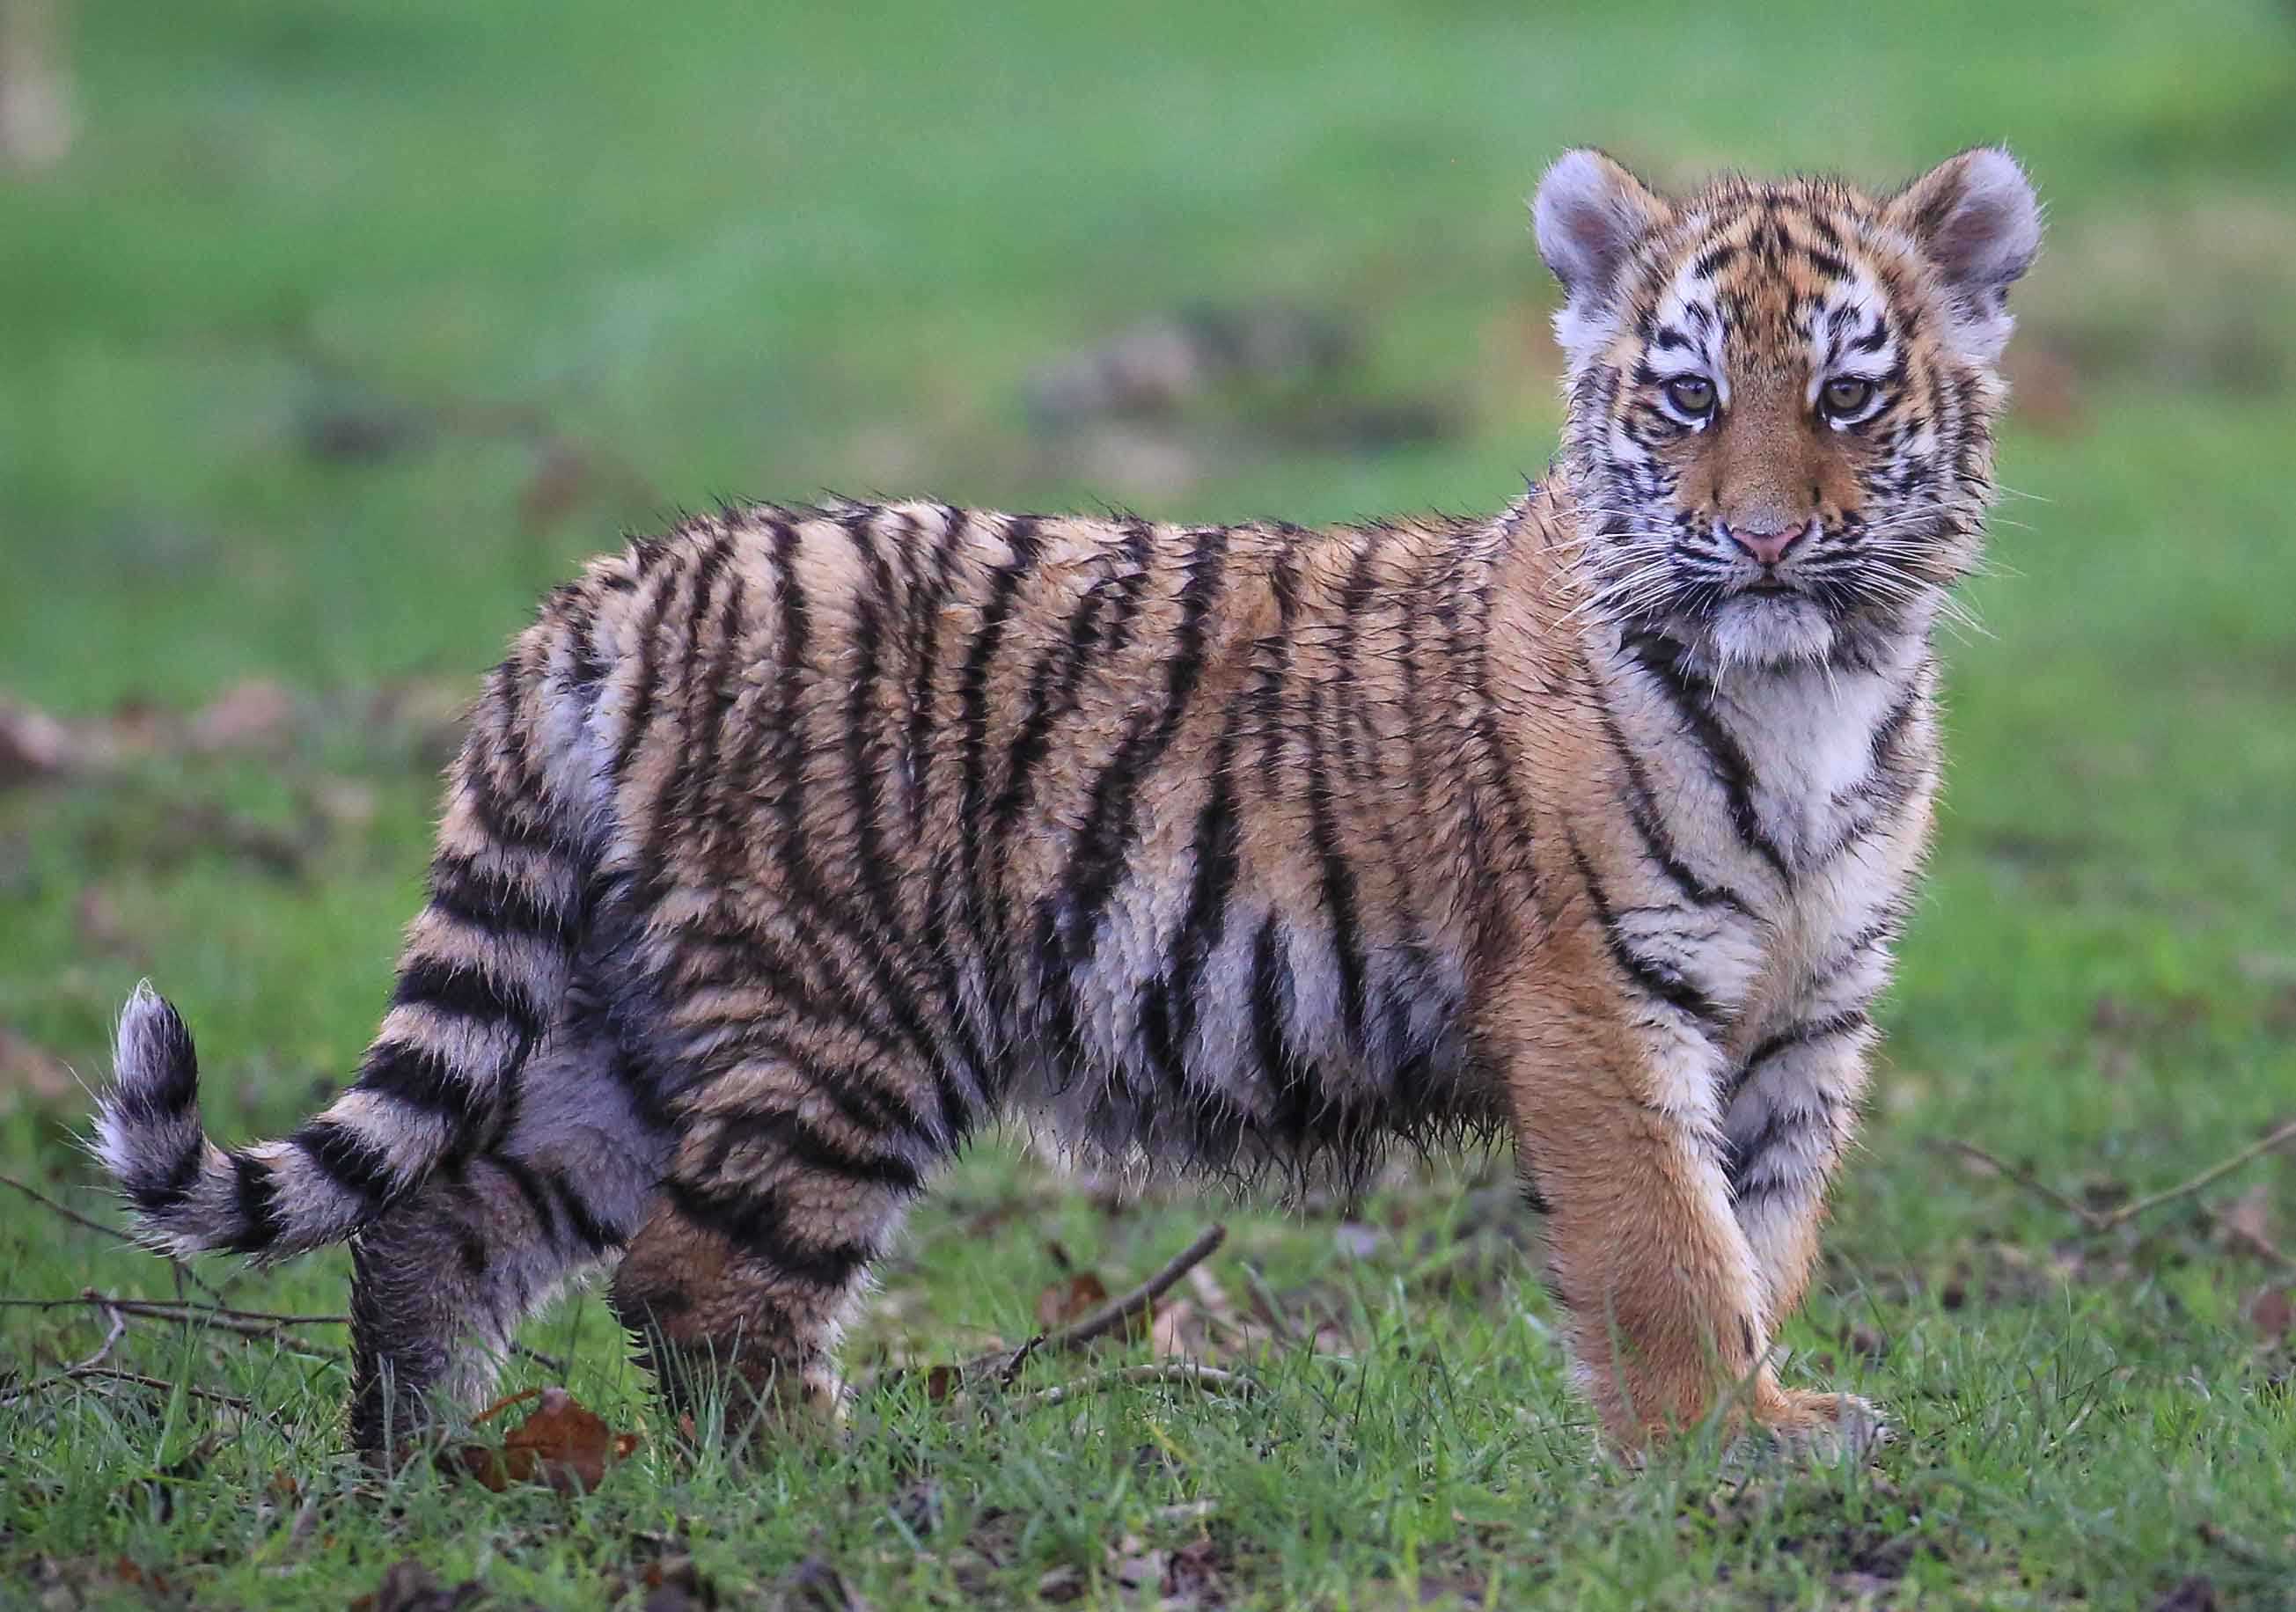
(1845, 398)
(1691, 394)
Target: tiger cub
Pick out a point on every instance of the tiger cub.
(791, 849)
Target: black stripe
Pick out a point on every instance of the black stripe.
(259, 1205)
(1727, 763)
(1643, 812)
(861, 1101)
(1272, 656)
(640, 715)
(965, 896)
(507, 823)
(349, 1159)
(677, 795)
(1294, 1101)
(1355, 604)
(1214, 854)
(422, 1079)
(925, 651)
(1881, 755)
(495, 901)
(1052, 687)
(588, 1230)
(1656, 980)
(1466, 652)
(711, 685)
(791, 1134)
(158, 1196)
(860, 721)
(756, 1224)
(466, 991)
(1793, 1036)
(1070, 661)
(1743, 1156)
(1104, 844)
(1338, 878)
(539, 1202)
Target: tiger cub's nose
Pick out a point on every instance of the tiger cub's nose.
(1768, 547)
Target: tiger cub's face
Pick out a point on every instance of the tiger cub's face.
(1782, 394)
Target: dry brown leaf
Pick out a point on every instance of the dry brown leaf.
(28, 1070)
(562, 1443)
(33, 744)
(409, 1586)
(2273, 1313)
(1070, 1300)
(254, 712)
(561, 477)
(1177, 1332)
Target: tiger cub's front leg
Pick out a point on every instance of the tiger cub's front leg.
(1616, 1127)
(1791, 1112)
(785, 1186)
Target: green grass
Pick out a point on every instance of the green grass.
(764, 251)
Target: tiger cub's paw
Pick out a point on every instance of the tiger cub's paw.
(1820, 1429)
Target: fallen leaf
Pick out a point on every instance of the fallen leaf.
(2273, 1313)
(1070, 1300)
(814, 1586)
(249, 713)
(2197, 1593)
(1191, 1574)
(28, 1071)
(1178, 1332)
(127, 1572)
(1137, 1569)
(33, 744)
(561, 477)
(1060, 1585)
(562, 1444)
(409, 1586)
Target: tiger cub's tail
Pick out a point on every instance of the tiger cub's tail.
(481, 977)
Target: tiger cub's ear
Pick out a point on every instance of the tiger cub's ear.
(1590, 213)
(1975, 218)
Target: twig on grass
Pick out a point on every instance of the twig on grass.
(103, 1350)
(79, 1219)
(270, 1324)
(86, 1372)
(1007, 1363)
(2097, 1221)
(1208, 1378)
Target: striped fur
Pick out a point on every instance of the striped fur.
(792, 849)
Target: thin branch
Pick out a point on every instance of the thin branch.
(90, 1374)
(2255, 1241)
(246, 1323)
(2031, 1182)
(2186, 1189)
(1116, 1313)
(2098, 1221)
(1208, 1378)
(79, 1219)
(103, 1350)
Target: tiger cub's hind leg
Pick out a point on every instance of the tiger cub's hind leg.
(441, 1283)
(744, 1273)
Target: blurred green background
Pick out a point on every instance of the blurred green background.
(340, 331)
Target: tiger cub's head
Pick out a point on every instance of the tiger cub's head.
(1782, 394)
